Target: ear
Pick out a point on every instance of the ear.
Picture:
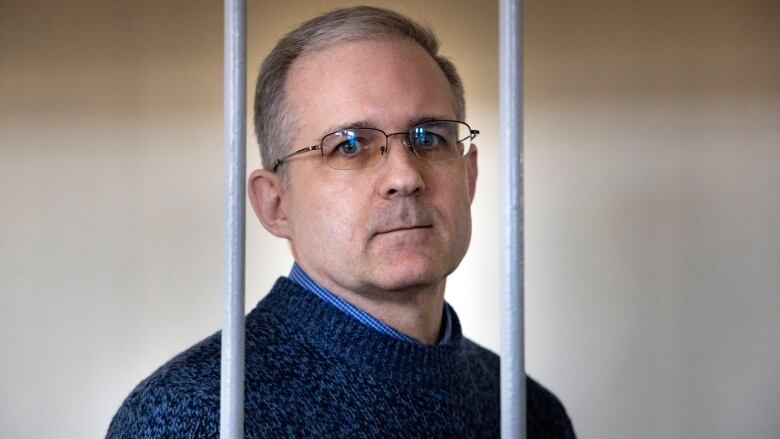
(471, 165)
(266, 193)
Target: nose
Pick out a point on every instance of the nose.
(401, 175)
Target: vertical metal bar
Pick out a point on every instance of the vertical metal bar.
(231, 407)
(513, 399)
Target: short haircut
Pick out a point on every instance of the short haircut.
(274, 119)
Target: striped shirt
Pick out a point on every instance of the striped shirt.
(300, 277)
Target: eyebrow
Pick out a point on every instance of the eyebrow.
(345, 126)
(367, 124)
(423, 119)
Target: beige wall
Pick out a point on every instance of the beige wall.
(653, 132)
(652, 209)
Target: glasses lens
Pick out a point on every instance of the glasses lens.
(353, 149)
(440, 140)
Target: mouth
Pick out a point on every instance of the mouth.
(405, 229)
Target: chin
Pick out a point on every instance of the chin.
(406, 266)
(405, 274)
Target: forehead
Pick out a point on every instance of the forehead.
(386, 83)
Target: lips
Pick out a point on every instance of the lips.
(403, 228)
(407, 214)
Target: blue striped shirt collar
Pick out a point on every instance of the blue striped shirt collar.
(300, 277)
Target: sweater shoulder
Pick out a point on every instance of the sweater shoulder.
(485, 358)
(547, 417)
(180, 399)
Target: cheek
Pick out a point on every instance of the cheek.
(455, 204)
(459, 217)
(328, 219)
(462, 221)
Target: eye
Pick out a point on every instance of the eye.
(350, 146)
(426, 139)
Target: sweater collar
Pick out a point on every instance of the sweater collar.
(323, 327)
(299, 276)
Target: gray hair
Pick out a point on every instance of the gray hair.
(274, 119)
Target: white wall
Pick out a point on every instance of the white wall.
(652, 153)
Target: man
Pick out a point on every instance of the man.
(369, 173)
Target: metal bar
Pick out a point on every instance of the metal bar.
(231, 407)
(513, 399)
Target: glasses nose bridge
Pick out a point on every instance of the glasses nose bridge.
(405, 140)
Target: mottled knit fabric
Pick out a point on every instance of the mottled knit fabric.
(300, 277)
(313, 371)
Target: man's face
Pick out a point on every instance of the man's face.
(402, 224)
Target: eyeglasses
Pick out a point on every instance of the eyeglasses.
(356, 148)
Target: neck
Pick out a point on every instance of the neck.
(416, 312)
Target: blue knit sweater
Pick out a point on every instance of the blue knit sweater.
(312, 371)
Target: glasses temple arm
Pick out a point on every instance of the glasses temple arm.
(300, 151)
